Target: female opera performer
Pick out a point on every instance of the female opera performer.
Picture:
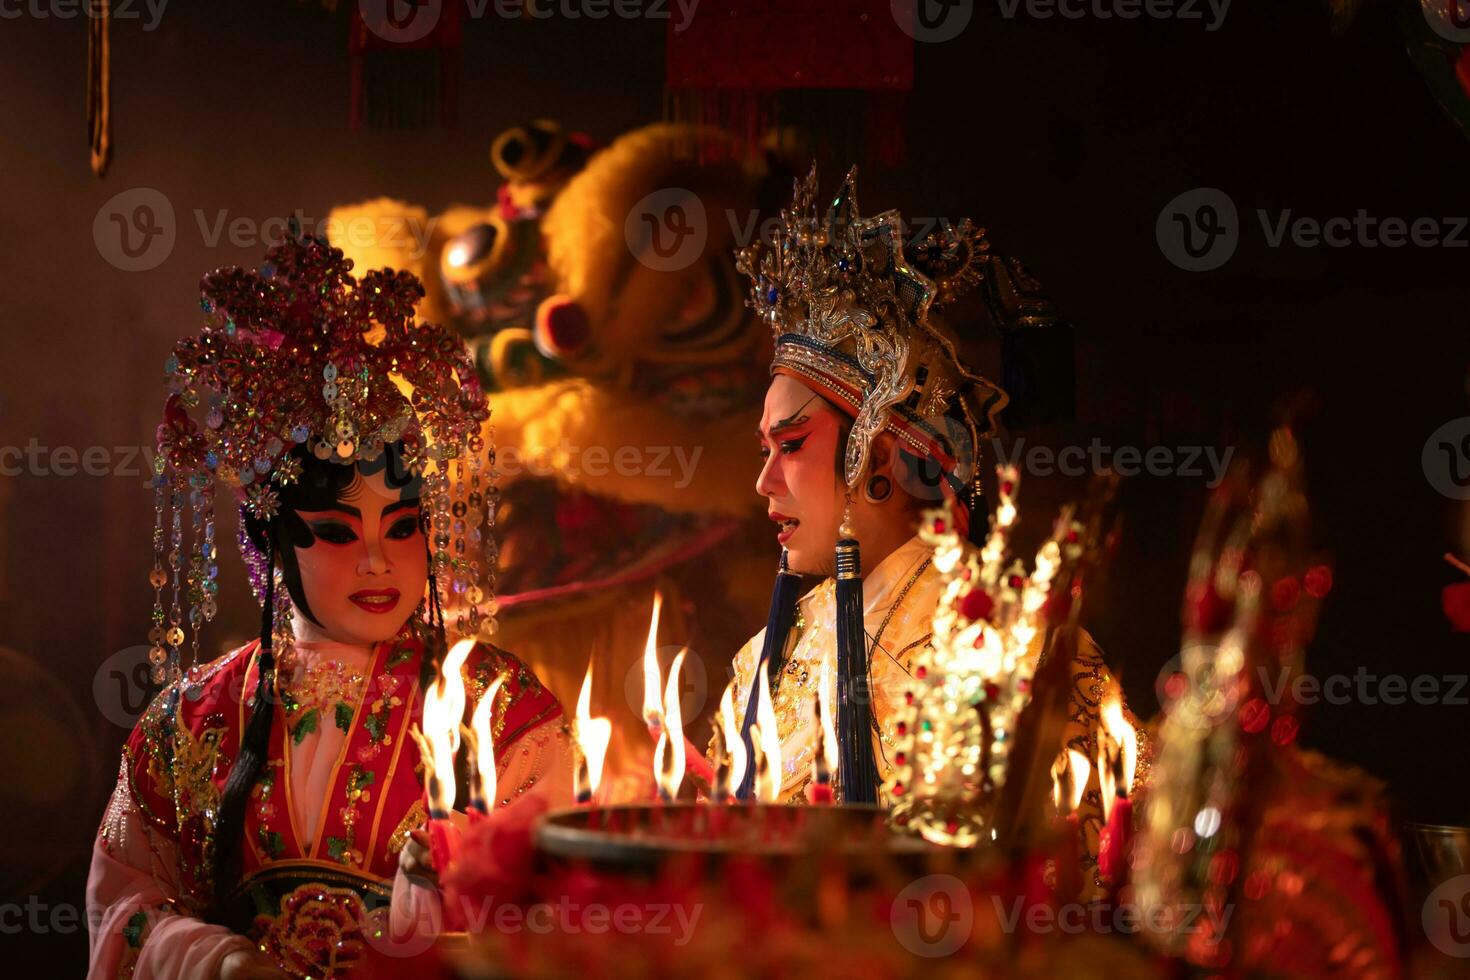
(264, 800)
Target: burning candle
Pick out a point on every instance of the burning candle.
(730, 749)
(766, 737)
(483, 780)
(1117, 762)
(652, 694)
(825, 756)
(438, 739)
(1069, 776)
(669, 755)
(591, 735)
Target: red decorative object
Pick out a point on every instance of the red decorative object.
(727, 65)
(1455, 600)
(976, 604)
(405, 68)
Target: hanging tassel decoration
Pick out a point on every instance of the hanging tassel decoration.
(857, 770)
(778, 627)
(405, 67)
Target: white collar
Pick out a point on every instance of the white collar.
(882, 583)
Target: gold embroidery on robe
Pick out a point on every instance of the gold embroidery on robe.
(413, 820)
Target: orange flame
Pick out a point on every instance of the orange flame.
(1117, 753)
(671, 736)
(652, 708)
(734, 744)
(1070, 772)
(443, 713)
(769, 740)
(592, 736)
(482, 743)
(824, 711)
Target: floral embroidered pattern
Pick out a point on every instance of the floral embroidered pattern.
(327, 687)
(271, 842)
(376, 715)
(316, 933)
(341, 848)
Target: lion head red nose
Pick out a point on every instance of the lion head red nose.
(562, 327)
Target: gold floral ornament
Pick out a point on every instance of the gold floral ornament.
(299, 353)
(960, 717)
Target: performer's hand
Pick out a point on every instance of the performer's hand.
(250, 964)
(417, 861)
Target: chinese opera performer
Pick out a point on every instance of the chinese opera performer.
(265, 797)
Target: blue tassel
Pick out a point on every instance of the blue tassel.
(857, 770)
(778, 627)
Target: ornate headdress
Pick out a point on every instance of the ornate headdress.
(849, 299)
(301, 353)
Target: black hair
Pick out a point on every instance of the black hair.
(320, 486)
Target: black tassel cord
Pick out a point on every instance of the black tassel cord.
(857, 769)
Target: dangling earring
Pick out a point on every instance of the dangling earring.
(877, 489)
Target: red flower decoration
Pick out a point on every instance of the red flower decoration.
(977, 604)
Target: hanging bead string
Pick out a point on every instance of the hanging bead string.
(158, 578)
(491, 554)
(175, 635)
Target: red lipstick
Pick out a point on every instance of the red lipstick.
(376, 600)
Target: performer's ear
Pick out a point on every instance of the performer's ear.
(883, 455)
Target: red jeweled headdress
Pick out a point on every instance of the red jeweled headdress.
(299, 352)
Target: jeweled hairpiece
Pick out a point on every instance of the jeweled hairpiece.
(300, 353)
(849, 301)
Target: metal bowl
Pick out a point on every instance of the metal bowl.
(646, 835)
(1438, 852)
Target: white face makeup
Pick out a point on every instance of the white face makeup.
(366, 570)
(799, 434)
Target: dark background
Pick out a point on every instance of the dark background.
(1065, 138)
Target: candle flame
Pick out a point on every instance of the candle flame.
(1105, 779)
(824, 712)
(671, 736)
(1117, 753)
(652, 712)
(734, 744)
(450, 687)
(592, 736)
(1069, 775)
(438, 739)
(769, 740)
(1124, 735)
(482, 743)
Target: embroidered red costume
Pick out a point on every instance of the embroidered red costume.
(316, 871)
